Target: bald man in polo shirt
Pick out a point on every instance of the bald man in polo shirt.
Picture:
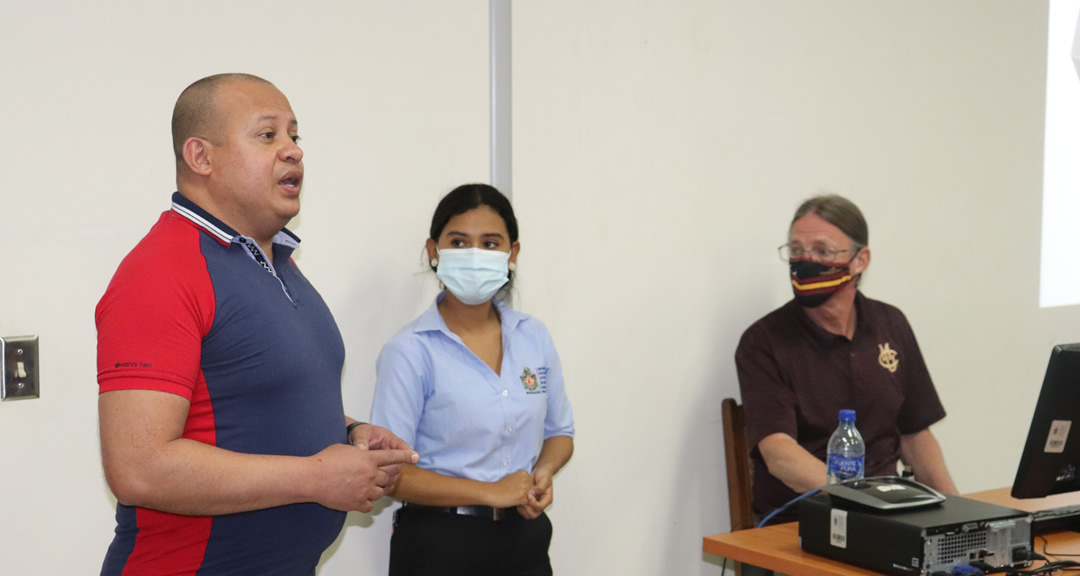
(832, 348)
(223, 435)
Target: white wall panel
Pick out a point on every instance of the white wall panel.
(392, 104)
(660, 149)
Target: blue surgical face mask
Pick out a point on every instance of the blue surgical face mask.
(474, 275)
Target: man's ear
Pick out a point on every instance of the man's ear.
(197, 155)
(861, 261)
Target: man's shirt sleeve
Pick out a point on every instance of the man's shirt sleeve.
(769, 402)
(921, 407)
(155, 313)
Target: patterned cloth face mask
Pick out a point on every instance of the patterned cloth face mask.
(814, 282)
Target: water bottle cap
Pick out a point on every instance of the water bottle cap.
(847, 415)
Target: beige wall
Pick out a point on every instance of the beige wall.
(659, 149)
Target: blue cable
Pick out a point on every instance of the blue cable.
(766, 519)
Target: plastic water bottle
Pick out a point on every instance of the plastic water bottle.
(846, 450)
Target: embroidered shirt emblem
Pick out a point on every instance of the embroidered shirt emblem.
(528, 379)
(887, 357)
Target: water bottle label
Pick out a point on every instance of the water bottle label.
(844, 467)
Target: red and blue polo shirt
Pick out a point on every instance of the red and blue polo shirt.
(196, 310)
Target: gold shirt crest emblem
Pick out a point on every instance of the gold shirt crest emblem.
(887, 357)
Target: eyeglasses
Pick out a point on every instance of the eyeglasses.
(790, 252)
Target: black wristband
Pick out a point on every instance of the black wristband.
(349, 428)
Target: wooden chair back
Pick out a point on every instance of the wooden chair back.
(737, 457)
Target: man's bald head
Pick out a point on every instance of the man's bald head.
(197, 113)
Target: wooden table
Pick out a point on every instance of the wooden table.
(777, 547)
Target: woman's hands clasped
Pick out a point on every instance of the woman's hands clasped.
(530, 493)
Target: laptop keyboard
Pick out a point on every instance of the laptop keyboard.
(1055, 519)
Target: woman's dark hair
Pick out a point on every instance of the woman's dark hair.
(470, 197)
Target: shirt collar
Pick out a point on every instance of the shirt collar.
(822, 335)
(862, 323)
(432, 321)
(220, 230)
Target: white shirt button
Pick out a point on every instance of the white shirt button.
(509, 428)
(506, 392)
(505, 463)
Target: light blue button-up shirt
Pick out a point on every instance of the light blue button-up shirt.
(464, 420)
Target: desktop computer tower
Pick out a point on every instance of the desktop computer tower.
(914, 541)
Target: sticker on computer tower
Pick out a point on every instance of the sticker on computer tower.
(838, 530)
(1059, 433)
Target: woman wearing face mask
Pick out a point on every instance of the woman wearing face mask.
(831, 348)
(476, 388)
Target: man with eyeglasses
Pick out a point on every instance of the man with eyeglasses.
(832, 348)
